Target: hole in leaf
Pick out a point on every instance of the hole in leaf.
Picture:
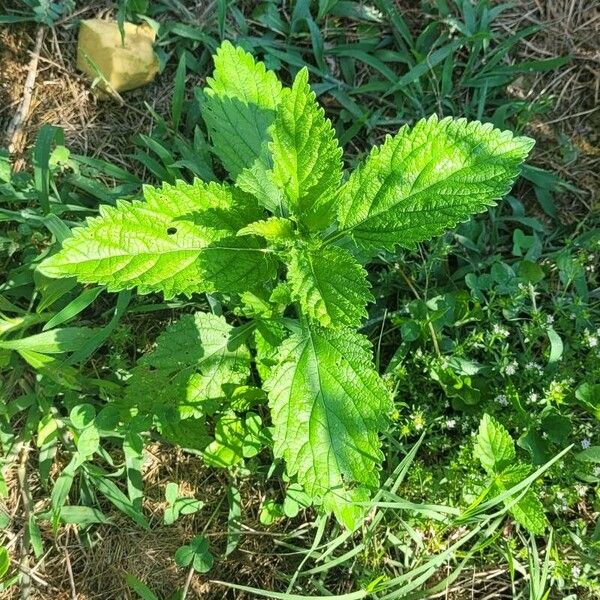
(172, 230)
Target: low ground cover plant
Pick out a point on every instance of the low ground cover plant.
(284, 249)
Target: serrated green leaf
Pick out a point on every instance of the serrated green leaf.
(494, 448)
(194, 360)
(237, 264)
(328, 405)
(511, 476)
(256, 180)
(330, 285)
(274, 229)
(239, 106)
(268, 337)
(156, 245)
(307, 160)
(529, 512)
(238, 75)
(427, 179)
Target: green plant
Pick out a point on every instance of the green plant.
(539, 572)
(495, 450)
(45, 12)
(195, 555)
(178, 505)
(287, 208)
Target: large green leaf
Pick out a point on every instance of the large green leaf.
(330, 285)
(307, 161)
(427, 179)
(161, 245)
(257, 181)
(528, 511)
(239, 106)
(494, 448)
(190, 369)
(237, 264)
(273, 229)
(328, 405)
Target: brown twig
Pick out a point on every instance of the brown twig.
(70, 570)
(15, 127)
(25, 541)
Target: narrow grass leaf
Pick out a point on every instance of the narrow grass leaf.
(178, 92)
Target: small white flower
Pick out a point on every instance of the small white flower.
(511, 368)
(549, 319)
(533, 397)
(585, 444)
(581, 489)
(502, 400)
(501, 331)
(592, 341)
(575, 571)
(596, 471)
(451, 423)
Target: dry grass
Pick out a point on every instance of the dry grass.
(63, 96)
(572, 127)
(93, 566)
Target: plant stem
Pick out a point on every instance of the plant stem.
(188, 582)
(414, 290)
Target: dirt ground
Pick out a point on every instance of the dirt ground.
(62, 95)
(94, 568)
